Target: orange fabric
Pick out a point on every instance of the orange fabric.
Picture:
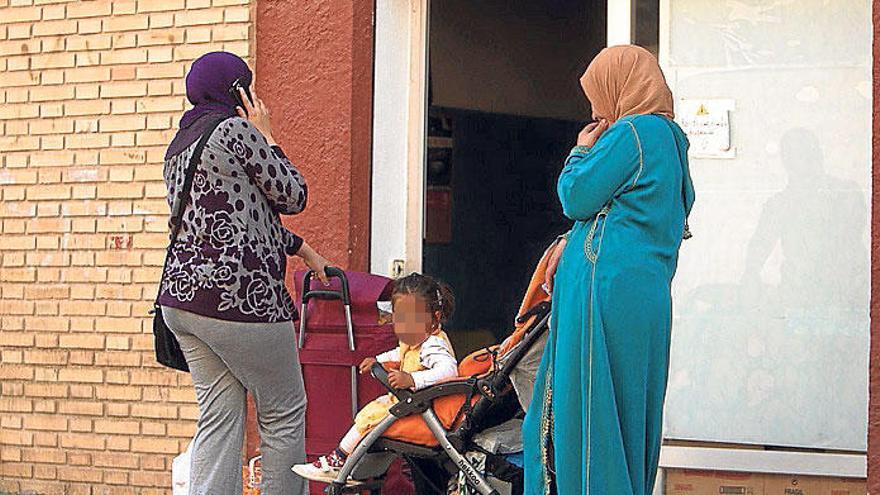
(251, 480)
(626, 80)
(413, 429)
(477, 362)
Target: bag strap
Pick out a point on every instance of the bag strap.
(185, 192)
(687, 230)
(184, 197)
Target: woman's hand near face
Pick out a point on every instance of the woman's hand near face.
(591, 133)
(257, 113)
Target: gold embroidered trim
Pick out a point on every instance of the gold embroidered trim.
(588, 243)
(590, 360)
(546, 426)
(641, 155)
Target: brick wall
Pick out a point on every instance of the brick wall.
(90, 93)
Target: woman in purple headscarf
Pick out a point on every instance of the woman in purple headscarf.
(222, 291)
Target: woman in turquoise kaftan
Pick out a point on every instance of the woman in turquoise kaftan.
(604, 370)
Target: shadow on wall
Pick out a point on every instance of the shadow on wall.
(798, 307)
(819, 268)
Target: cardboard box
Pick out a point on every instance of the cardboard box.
(775, 484)
(693, 482)
(847, 486)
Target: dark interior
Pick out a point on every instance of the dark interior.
(505, 107)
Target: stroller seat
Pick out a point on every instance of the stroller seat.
(474, 381)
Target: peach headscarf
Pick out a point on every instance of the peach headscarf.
(626, 80)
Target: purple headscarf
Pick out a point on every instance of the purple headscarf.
(207, 88)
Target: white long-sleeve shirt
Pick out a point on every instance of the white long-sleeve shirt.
(435, 355)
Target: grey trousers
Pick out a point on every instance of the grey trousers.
(227, 359)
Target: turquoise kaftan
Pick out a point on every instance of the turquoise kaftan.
(604, 370)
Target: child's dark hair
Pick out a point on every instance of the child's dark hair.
(438, 294)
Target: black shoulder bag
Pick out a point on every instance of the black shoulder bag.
(168, 351)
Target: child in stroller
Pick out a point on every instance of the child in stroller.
(424, 357)
(441, 425)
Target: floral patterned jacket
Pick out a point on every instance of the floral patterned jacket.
(230, 256)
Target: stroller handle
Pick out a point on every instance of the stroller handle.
(380, 373)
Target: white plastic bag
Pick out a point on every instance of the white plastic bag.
(180, 472)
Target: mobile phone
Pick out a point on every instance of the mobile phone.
(236, 94)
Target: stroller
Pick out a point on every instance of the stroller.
(444, 425)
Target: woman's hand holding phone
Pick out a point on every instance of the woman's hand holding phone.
(257, 113)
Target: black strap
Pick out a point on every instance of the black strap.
(185, 192)
(464, 411)
(687, 230)
(184, 196)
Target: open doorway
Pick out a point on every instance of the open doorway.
(504, 108)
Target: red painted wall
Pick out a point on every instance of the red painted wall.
(314, 70)
(874, 376)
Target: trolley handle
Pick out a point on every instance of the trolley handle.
(323, 294)
(343, 295)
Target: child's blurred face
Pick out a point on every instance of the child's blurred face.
(412, 319)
